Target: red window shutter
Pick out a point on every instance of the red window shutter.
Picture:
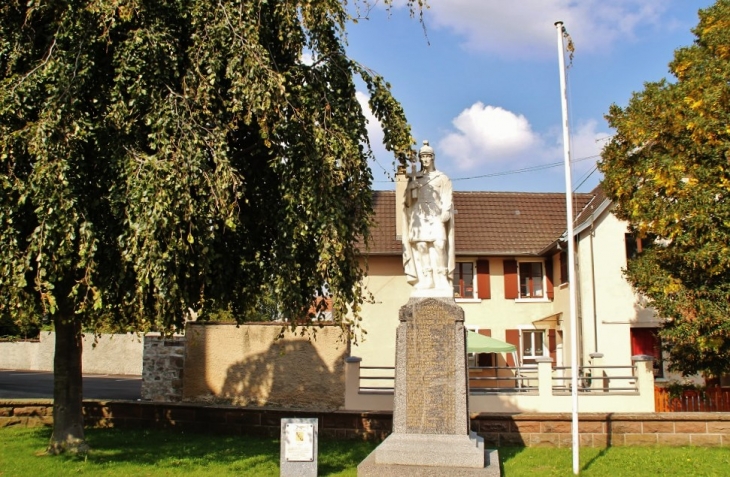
(645, 341)
(486, 332)
(512, 337)
(552, 345)
(549, 275)
(483, 285)
(511, 290)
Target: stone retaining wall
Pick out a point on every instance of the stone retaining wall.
(604, 429)
(499, 430)
(163, 363)
(252, 365)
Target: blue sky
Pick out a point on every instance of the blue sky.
(482, 85)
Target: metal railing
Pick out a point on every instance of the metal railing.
(517, 379)
(374, 376)
(596, 379)
(381, 379)
(501, 379)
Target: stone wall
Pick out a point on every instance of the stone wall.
(604, 429)
(105, 354)
(250, 365)
(499, 430)
(163, 368)
(26, 412)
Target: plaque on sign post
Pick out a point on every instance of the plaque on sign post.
(298, 447)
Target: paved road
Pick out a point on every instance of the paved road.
(38, 384)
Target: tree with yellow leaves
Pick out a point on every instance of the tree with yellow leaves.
(667, 170)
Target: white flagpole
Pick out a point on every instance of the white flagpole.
(571, 253)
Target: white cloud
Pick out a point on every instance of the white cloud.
(586, 145)
(526, 27)
(586, 142)
(375, 129)
(382, 169)
(487, 134)
(493, 138)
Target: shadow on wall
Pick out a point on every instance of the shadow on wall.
(289, 374)
(246, 365)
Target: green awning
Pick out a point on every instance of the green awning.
(476, 343)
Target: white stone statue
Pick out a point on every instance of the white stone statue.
(428, 229)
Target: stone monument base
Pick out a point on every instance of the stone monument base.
(410, 455)
(432, 450)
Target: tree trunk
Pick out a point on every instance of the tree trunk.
(68, 419)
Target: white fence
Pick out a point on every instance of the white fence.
(540, 389)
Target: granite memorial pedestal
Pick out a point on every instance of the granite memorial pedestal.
(431, 434)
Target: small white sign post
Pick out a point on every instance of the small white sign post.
(298, 447)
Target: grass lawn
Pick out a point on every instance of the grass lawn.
(617, 462)
(122, 452)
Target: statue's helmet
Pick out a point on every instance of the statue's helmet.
(426, 149)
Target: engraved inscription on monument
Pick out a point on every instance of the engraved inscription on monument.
(430, 373)
(431, 410)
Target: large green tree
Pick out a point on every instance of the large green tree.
(158, 156)
(667, 170)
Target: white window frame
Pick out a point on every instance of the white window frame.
(471, 358)
(532, 357)
(544, 297)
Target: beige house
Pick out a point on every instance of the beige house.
(511, 280)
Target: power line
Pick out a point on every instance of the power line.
(539, 167)
(525, 169)
(385, 171)
(594, 169)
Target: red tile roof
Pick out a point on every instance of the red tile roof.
(488, 223)
(599, 197)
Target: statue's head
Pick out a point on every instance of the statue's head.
(427, 156)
